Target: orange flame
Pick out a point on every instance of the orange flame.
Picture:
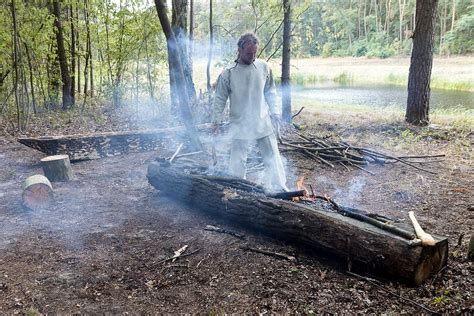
(300, 186)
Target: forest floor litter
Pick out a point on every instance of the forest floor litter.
(112, 243)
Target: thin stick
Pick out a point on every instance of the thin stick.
(189, 154)
(373, 282)
(311, 188)
(359, 167)
(176, 152)
(269, 253)
(425, 156)
(364, 217)
(223, 231)
(173, 257)
(297, 113)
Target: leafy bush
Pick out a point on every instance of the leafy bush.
(328, 49)
(461, 39)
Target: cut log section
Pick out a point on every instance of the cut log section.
(316, 226)
(37, 192)
(57, 168)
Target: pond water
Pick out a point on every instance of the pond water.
(381, 96)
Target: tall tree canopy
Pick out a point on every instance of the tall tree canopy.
(115, 50)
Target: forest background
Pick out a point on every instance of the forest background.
(116, 55)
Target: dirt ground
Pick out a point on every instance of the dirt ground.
(100, 246)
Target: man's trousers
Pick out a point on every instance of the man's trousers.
(268, 147)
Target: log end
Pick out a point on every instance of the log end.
(432, 260)
(37, 192)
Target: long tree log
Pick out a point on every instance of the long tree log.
(107, 144)
(315, 226)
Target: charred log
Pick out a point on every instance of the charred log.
(314, 226)
(107, 144)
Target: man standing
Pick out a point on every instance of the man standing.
(249, 85)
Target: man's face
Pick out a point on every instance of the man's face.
(248, 53)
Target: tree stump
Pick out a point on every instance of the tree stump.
(57, 168)
(37, 192)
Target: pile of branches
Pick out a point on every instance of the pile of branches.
(332, 153)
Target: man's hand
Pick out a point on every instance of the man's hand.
(276, 121)
(215, 129)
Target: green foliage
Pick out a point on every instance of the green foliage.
(129, 48)
(32, 312)
(461, 39)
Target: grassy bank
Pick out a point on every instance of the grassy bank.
(455, 73)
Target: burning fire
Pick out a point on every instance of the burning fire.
(300, 186)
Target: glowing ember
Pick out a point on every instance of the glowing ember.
(300, 186)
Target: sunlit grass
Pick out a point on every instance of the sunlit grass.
(456, 73)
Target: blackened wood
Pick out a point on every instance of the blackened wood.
(316, 227)
(108, 144)
(287, 195)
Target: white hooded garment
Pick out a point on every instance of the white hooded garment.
(251, 91)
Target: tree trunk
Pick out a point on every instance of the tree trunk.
(401, 6)
(73, 53)
(179, 27)
(316, 226)
(15, 64)
(442, 27)
(78, 56)
(119, 66)
(419, 77)
(88, 50)
(151, 90)
(32, 86)
(91, 59)
(176, 73)
(285, 63)
(191, 35)
(211, 43)
(453, 15)
(63, 64)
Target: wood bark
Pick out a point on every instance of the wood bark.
(470, 251)
(149, 77)
(419, 77)
(176, 73)
(211, 43)
(37, 192)
(285, 63)
(315, 226)
(73, 53)
(108, 144)
(191, 35)
(57, 168)
(31, 75)
(63, 63)
(179, 27)
(15, 64)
